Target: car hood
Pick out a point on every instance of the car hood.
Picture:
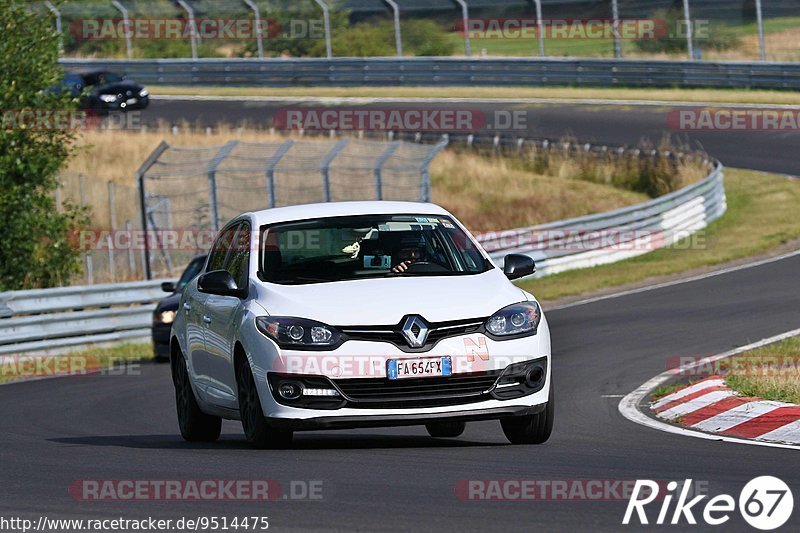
(118, 87)
(170, 303)
(385, 301)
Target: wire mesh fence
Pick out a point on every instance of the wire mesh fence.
(697, 29)
(187, 194)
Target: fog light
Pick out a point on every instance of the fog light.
(289, 391)
(534, 377)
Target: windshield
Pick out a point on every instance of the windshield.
(101, 78)
(191, 271)
(367, 246)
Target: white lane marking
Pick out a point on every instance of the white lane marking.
(687, 391)
(629, 406)
(612, 395)
(678, 281)
(737, 415)
(445, 99)
(696, 403)
(788, 433)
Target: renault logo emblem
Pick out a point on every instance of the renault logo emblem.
(415, 331)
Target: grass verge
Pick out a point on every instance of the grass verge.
(112, 360)
(732, 96)
(769, 372)
(762, 215)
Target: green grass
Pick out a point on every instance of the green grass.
(664, 390)
(762, 214)
(733, 96)
(30, 366)
(752, 376)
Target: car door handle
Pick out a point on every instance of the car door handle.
(207, 319)
(187, 307)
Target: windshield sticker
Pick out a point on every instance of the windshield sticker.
(378, 261)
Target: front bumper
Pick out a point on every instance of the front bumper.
(410, 419)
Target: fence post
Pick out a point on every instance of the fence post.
(325, 166)
(54, 10)
(687, 21)
(192, 27)
(140, 183)
(539, 26)
(465, 21)
(398, 40)
(272, 162)
(762, 49)
(212, 181)
(128, 29)
(615, 17)
(112, 219)
(131, 259)
(425, 176)
(259, 33)
(378, 171)
(87, 255)
(326, 20)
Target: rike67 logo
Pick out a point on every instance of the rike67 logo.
(765, 503)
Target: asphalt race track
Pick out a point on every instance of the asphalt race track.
(55, 432)
(773, 151)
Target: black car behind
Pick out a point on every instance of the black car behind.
(107, 91)
(164, 314)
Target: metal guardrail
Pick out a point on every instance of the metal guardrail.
(615, 235)
(54, 320)
(451, 71)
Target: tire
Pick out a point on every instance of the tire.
(445, 429)
(196, 426)
(531, 429)
(256, 429)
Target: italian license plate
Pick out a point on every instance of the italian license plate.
(419, 368)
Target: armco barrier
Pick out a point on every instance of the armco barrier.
(56, 320)
(53, 320)
(451, 71)
(615, 235)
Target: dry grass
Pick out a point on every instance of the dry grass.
(493, 194)
(771, 372)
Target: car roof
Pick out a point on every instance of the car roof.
(339, 209)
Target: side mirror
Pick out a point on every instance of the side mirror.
(168, 286)
(221, 283)
(517, 266)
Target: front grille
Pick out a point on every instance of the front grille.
(391, 334)
(417, 392)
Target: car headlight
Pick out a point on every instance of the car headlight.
(143, 93)
(166, 317)
(297, 332)
(515, 320)
(108, 98)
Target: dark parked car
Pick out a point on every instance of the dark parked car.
(107, 91)
(165, 311)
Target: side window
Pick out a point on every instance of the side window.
(220, 249)
(238, 263)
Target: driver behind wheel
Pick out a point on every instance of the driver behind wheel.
(407, 257)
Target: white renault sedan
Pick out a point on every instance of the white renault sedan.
(358, 314)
